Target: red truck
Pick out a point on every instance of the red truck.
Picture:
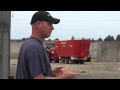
(54, 56)
(71, 51)
(51, 52)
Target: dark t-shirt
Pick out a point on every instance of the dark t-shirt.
(33, 60)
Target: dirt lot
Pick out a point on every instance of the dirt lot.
(89, 70)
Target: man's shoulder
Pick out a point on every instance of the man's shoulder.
(32, 43)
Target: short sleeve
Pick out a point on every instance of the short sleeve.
(35, 60)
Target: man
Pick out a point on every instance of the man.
(33, 62)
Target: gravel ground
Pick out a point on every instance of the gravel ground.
(89, 70)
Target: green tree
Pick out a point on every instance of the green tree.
(73, 38)
(118, 37)
(49, 40)
(23, 39)
(112, 38)
(100, 39)
(109, 38)
(57, 39)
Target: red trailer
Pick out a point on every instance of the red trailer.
(73, 51)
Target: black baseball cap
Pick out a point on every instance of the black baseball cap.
(44, 16)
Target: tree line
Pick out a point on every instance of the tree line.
(107, 38)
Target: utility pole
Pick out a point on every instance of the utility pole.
(5, 25)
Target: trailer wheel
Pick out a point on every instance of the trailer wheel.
(67, 60)
(63, 60)
(56, 61)
(82, 61)
(88, 59)
(72, 61)
(77, 61)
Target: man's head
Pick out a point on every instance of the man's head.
(43, 23)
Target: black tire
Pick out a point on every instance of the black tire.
(63, 60)
(50, 60)
(82, 61)
(67, 60)
(72, 61)
(88, 59)
(56, 61)
(77, 61)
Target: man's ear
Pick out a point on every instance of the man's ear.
(38, 24)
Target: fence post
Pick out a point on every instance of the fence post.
(5, 25)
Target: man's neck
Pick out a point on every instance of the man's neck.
(41, 39)
(36, 35)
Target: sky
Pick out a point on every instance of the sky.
(80, 24)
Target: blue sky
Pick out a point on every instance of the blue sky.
(80, 24)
